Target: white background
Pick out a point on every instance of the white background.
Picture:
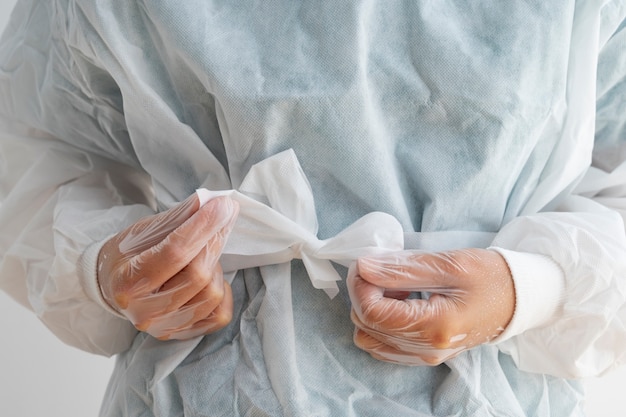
(39, 376)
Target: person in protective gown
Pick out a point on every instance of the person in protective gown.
(289, 208)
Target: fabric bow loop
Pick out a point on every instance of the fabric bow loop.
(277, 223)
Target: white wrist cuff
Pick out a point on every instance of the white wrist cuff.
(539, 287)
(88, 275)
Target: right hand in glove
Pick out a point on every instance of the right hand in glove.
(163, 273)
(471, 301)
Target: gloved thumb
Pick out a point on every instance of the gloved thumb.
(149, 231)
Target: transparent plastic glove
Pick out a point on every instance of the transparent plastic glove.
(163, 273)
(467, 298)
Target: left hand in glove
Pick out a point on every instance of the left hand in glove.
(468, 298)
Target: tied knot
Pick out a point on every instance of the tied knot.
(277, 223)
(307, 248)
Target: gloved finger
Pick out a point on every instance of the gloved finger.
(374, 309)
(381, 351)
(150, 231)
(407, 324)
(202, 273)
(439, 332)
(195, 310)
(178, 306)
(411, 339)
(414, 271)
(171, 255)
(217, 319)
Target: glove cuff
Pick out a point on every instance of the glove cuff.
(539, 287)
(88, 272)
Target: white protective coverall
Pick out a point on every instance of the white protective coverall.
(473, 126)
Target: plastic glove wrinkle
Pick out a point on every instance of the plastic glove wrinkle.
(471, 299)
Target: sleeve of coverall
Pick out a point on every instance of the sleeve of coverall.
(57, 197)
(569, 265)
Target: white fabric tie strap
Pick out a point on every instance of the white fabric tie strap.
(277, 223)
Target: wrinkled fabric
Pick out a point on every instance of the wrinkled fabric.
(471, 126)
